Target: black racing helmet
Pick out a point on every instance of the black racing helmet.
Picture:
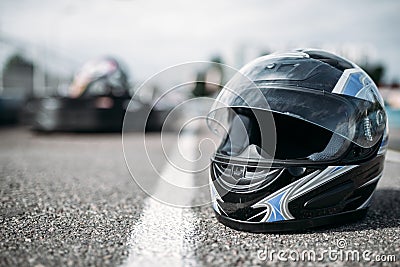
(304, 138)
(100, 77)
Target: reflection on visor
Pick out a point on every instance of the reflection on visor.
(240, 136)
(295, 138)
(355, 119)
(347, 103)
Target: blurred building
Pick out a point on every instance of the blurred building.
(30, 70)
(27, 71)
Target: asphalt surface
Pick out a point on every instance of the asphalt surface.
(69, 200)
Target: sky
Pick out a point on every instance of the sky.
(151, 35)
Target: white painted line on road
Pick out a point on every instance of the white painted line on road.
(393, 156)
(159, 237)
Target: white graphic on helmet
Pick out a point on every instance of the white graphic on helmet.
(214, 197)
(355, 82)
(277, 203)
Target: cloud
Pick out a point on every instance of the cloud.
(151, 35)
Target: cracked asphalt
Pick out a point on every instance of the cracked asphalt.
(69, 200)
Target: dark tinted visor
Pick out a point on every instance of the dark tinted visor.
(289, 139)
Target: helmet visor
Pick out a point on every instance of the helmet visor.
(360, 119)
(291, 138)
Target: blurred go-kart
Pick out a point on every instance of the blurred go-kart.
(97, 100)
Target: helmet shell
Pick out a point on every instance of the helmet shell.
(303, 143)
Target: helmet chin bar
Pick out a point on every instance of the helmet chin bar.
(261, 199)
